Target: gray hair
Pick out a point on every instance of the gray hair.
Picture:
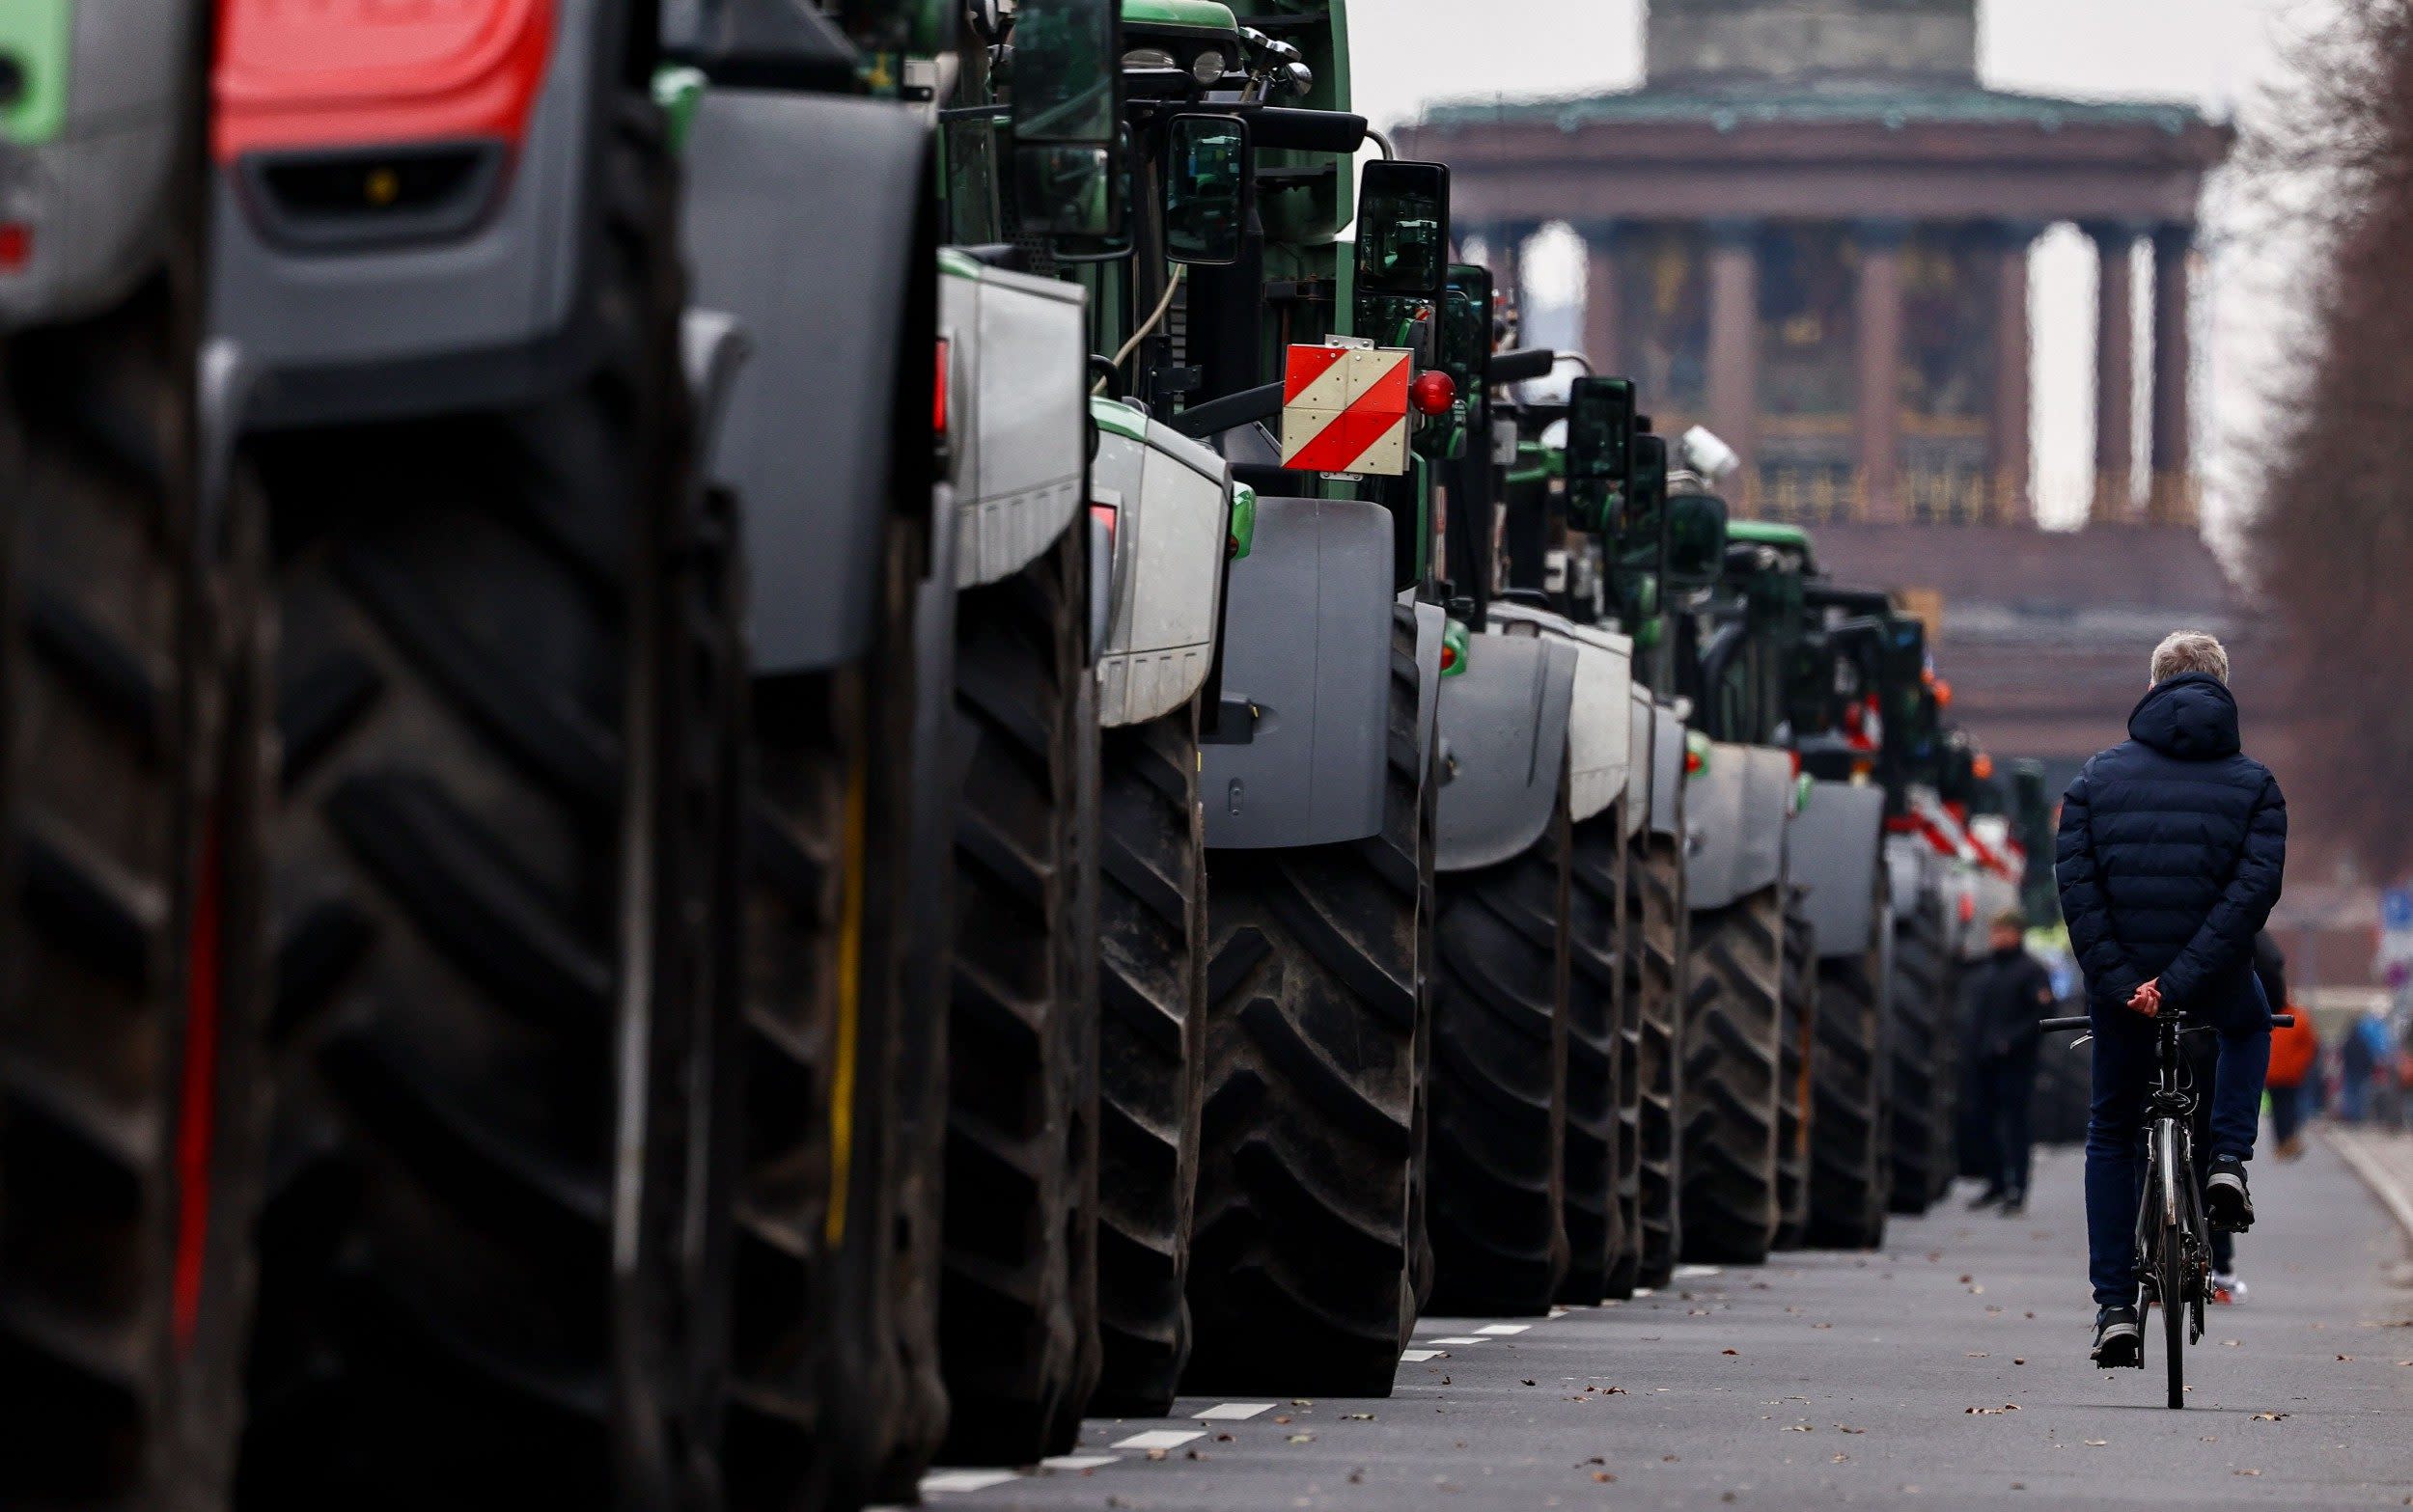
(2189, 651)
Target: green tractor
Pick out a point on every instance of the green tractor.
(132, 781)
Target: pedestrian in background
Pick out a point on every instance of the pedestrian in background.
(2003, 997)
(2294, 1081)
(2363, 1052)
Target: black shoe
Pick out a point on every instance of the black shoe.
(2016, 1206)
(1986, 1199)
(2224, 1198)
(2119, 1342)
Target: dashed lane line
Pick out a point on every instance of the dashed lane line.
(1504, 1328)
(1417, 1356)
(944, 1480)
(1231, 1412)
(1079, 1461)
(1157, 1438)
(1460, 1339)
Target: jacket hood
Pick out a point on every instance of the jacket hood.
(2192, 717)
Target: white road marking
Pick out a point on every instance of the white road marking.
(1157, 1439)
(1465, 1341)
(1645, 1291)
(1687, 1273)
(964, 1479)
(1557, 1312)
(1232, 1412)
(1504, 1328)
(1079, 1461)
(1417, 1356)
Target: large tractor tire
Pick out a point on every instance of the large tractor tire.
(1496, 1157)
(1795, 1125)
(1925, 1057)
(1300, 1274)
(505, 680)
(818, 1404)
(1598, 1196)
(1660, 925)
(1018, 1310)
(1734, 1030)
(1850, 1147)
(131, 799)
(1152, 1056)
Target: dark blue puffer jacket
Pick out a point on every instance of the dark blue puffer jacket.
(2169, 859)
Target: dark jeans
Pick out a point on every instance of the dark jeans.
(2115, 1132)
(2287, 1112)
(2005, 1085)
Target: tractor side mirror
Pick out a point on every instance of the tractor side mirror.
(1067, 114)
(1402, 230)
(1209, 189)
(1601, 431)
(1696, 539)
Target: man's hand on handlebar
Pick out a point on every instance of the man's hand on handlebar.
(2147, 999)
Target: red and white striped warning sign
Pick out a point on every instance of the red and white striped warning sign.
(1344, 409)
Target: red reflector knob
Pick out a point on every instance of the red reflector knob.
(1432, 393)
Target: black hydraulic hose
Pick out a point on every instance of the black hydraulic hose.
(1289, 127)
(1522, 365)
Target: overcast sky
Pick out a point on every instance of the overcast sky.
(2223, 54)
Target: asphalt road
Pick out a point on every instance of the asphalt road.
(1949, 1369)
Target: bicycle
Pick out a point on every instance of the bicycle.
(2174, 1243)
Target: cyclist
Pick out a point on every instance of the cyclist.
(2169, 860)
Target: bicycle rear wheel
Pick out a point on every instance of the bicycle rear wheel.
(2171, 1260)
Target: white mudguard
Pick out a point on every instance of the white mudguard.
(1737, 812)
(90, 150)
(1018, 424)
(1601, 728)
(1172, 504)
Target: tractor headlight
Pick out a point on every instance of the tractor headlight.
(1148, 58)
(1208, 67)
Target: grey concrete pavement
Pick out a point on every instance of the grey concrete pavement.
(1947, 1371)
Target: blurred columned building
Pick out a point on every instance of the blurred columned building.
(1808, 230)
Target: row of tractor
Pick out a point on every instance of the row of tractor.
(747, 742)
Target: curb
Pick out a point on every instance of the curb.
(2391, 1192)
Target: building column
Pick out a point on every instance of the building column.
(2115, 373)
(2007, 445)
(1603, 327)
(1735, 349)
(1507, 260)
(2172, 470)
(1878, 318)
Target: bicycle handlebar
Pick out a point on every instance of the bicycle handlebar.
(2082, 1021)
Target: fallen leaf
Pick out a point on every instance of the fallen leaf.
(2097, 1444)
(1966, 1280)
(1529, 1380)
(2246, 1473)
(2231, 1343)
(1840, 1428)
(1668, 1459)
(1729, 1350)
(1363, 1418)
(1302, 1401)
(1193, 1454)
(1836, 1459)
(2018, 1360)
(1155, 1455)
(2270, 1417)
(1222, 1438)
(1975, 1354)
(1797, 1428)
(1602, 1476)
(2345, 1357)
(1282, 1418)
(1302, 1437)
(1821, 1325)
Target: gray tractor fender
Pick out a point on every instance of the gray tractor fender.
(807, 439)
(1642, 733)
(1171, 504)
(713, 349)
(1671, 810)
(1018, 421)
(1912, 870)
(1835, 848)
(472, 303)
(1306, 679)
(1600, 737)
(1736, 810)
(88, 175)
(1432, 624)
(1504, 718)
